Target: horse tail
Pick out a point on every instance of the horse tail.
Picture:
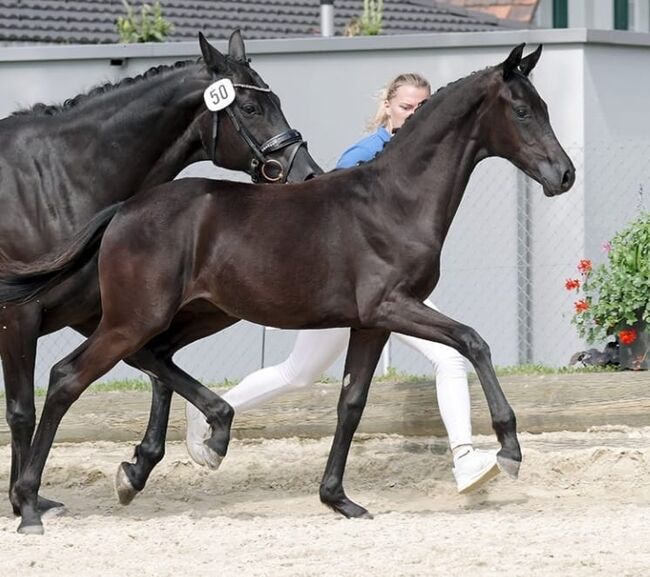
(26, 282)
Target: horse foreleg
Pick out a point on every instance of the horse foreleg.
(410, 317)
(19, 332)
(218, 412)
(132, 477)
(363, 354)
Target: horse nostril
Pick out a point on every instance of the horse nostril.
(567, 179)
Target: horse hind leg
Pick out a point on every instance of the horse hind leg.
(151, 450)
(68, 379)
(364, 350)
(18, 335)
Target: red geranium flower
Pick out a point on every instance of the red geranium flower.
(572, 283)
(581, 306)
(584, 266)
(627, 337)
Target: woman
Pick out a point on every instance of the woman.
(315, 350)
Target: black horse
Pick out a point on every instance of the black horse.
(60, 165)
(358, 247)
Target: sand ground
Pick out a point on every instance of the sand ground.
(581, 507)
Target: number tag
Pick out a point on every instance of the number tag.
(219, 95)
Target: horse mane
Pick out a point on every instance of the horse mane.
(40, 109)
(441, 92)
(435, 99)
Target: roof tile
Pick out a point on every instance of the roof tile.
(94, 21)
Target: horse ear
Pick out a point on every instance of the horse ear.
(512, 62)
(236, 49)
(528, 63)
(212, 57)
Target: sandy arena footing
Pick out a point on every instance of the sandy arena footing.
(581, 507)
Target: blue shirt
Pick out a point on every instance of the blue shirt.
(364, 150)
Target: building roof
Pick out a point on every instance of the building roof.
(94, 21)
(521, 10)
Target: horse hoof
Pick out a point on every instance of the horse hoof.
(51, 507)
(211, 459)
(30, 529)
(124, 489)
(44, 506)
(349, 509)
(509, 466)
(215, 451)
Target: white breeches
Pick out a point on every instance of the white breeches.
(316, 350)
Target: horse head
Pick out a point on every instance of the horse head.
(251, 133)
(517, 126)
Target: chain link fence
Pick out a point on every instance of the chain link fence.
(504, 264)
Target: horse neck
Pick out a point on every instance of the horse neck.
(152, 120)
(430, 160)
(162, 120)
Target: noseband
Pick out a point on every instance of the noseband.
(261, 165)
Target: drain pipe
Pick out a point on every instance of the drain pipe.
(327, 18)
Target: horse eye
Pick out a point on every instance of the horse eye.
(521, 112)
(249, 108)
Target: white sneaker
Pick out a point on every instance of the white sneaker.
(199, 431)
(474, 468)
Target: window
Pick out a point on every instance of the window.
(561, 14)
(621, 15)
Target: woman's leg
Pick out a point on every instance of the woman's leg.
(471, 467)
(313, 352)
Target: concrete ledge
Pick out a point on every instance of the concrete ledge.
(541, 402)
(190, 49)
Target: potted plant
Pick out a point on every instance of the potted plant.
(614, 297)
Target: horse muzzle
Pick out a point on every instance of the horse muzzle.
(557, 179)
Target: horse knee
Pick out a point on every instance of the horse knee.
(21, 416)
(61, 388)
(476, 347)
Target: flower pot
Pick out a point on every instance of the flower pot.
(635, 347)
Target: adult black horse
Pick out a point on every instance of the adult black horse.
(60, 165)
(211, 253)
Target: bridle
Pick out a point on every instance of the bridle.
(261, 165)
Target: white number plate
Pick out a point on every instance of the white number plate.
(219, 95)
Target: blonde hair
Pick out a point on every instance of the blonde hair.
(409, 79)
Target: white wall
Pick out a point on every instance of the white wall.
(327, 87)
(594, 14)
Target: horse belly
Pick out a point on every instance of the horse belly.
(285, 293)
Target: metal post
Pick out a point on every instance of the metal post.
(524, 271)
(327, 18)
